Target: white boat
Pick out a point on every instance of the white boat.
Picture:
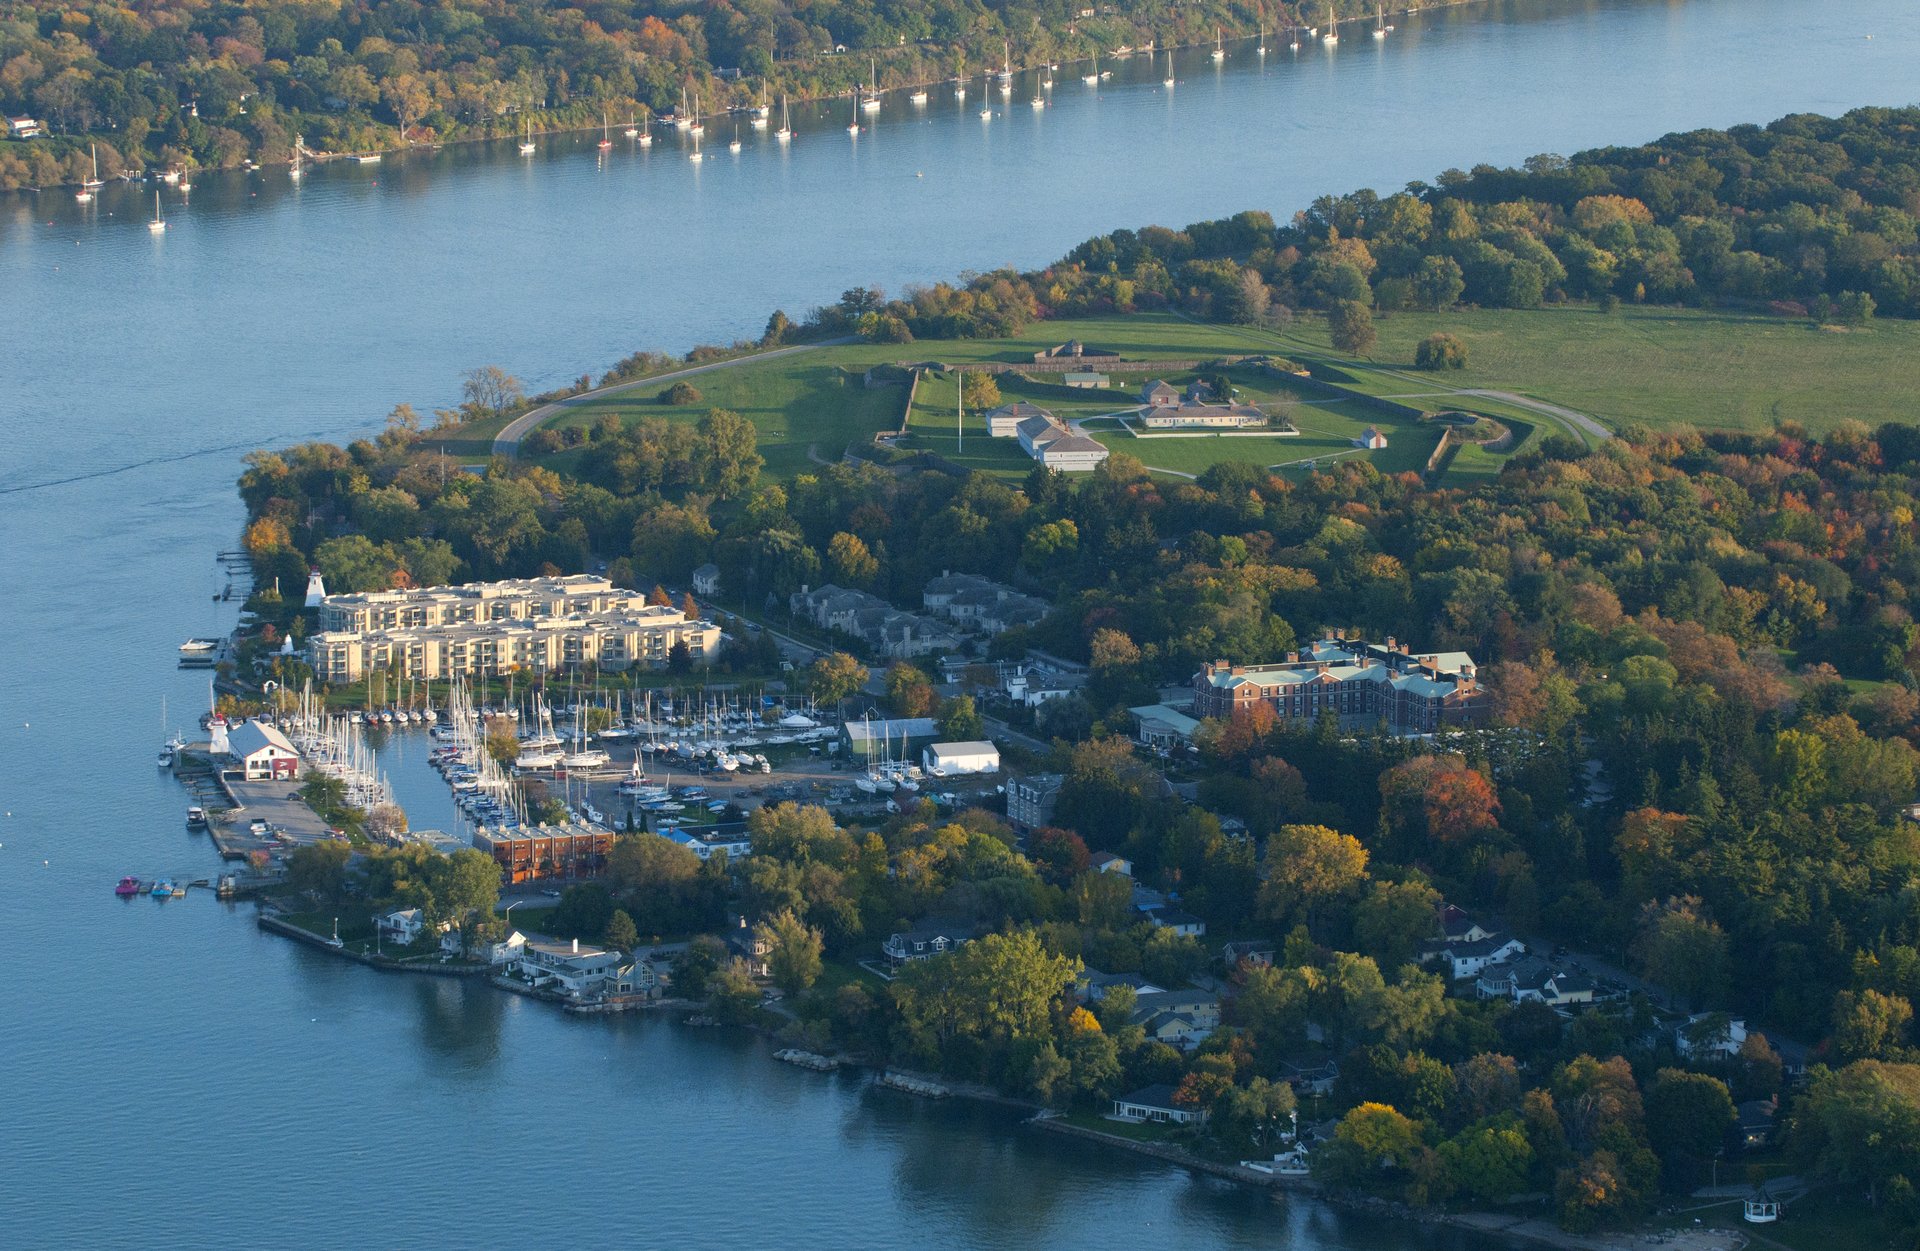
(1006, 69)
(1219, 49)
(159, 224)
(1168, 80)
(1260, 49)
(88, 184)
(367, 158)
(1092, 75)
(696, 156)
(536, 760)
(986, 111)
(735, 145)
(872, 103)
(294, 171)
(606, 134)
(591, 758)
(1038, 102)
(785, 133)
(959, 88)
(526, 144)
(919, 96)
(1333, 30)
(853, 127)
(1379, 23)
(633, 129)
(762, 110)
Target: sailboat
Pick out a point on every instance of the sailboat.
(293, 171)
(761, 111)
(87, 185)
(1260, 49)
(1093, 71)
(986, 108)
(735, 145)
(697, 127)
(1219, 49)
(696, 156)
(959, 88)
(1006, 68)
(853, 122)
(919, 96)
(526, 144)
(785, 133)
(872, 103)
(606, 134)
(1293, 38)
(1167, 82)
(684, 118)
(159, 224)
(1333, 30)
(633, 128)
(1379, 23)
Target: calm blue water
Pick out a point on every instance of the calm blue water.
(175, 1076)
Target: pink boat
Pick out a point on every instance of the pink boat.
(128, 886)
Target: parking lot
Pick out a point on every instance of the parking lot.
(289, 822)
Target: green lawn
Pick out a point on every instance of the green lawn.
(1818, 1222)
(1657, 365)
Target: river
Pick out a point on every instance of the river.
(176, 1076)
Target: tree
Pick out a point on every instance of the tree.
(1350, 324)
(960, 721)
(1489, 1161)
(1393, 919)
(793, 952)
(834, 677)
(979, 390)
(1688, 1116)
(1308, 866)
(320, 869)
(1859, 1125)
(732, 994)
(1439, 352)
(849, 561)
(909, 691)
(490, 389)
(1438, 283)
(1868, 1024)
(1680, 947)
(621, 932)
(502, 743)
(680, 395)
(386, 821)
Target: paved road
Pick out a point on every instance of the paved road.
(1598, 432)
(507, 442)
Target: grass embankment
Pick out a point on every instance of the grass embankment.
(1660, 366)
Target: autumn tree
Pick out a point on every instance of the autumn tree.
(835, 676)
(1307, 867)
(793, 952)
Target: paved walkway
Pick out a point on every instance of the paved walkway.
(1594, 430)
(507, 442)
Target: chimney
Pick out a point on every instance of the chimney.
(1293, 657)
(1391, 646)
(576, 946)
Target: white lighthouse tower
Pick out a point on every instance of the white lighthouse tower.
(316, 589)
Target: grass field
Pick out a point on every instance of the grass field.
(1663, 366)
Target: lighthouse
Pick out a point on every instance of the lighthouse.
(316, 589)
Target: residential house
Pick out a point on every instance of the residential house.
(1030, 800)
(1160, 394)
(402, 927)
(568, 968)
(1310, 1078)
(1251, 953)
(1004, 422)
(1107, 862)
(1530, 979)
(505, 950)
(928, 939)
(1371, 438)
(745, 943)
(1093, 985)
(707, 844)
(1182, 1019)
(1154, 1104)
(886, 629)
(1754, 1122)
(24, 128)
(527, 853)
(706, 580)
(971, 602)
(1036, 687)
(1183, 923)
(1475, 955)
(263, 752)
(1458, 926)
(1161, 727)
(1362, 684)
(1710, 1036)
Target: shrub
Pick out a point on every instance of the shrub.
(680, 395)
(1440, 351)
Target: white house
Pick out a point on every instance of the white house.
(402, 926)
(1107, 862)
(704, 846)
(23, 128)
(1470, 958)
(568, 968)
(263, 752)
(1155, 1104)
(507, 949)
(944, 760)
(1371, 438)
(1710, 1036)
(706, 580)
(1182, 923)
(1532, 980)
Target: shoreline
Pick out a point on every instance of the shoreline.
(1531, 1230)
(254, 163)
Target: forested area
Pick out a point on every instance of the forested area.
(206, 84)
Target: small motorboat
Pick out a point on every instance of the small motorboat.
(164, 759)
(162, 890)
(128, 886)
(196, 817)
